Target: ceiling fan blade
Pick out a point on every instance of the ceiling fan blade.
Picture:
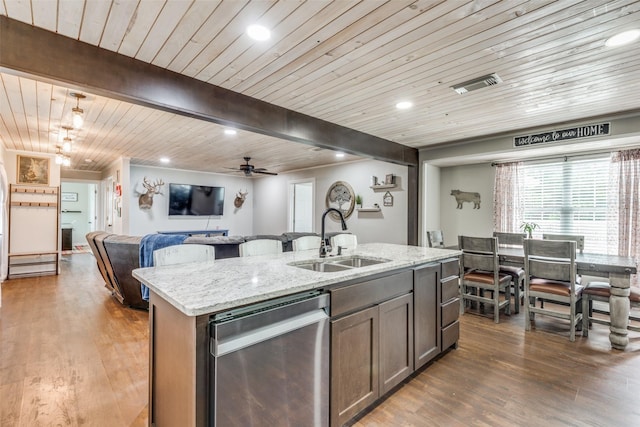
(264, 172)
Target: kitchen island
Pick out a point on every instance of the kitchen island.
(414, 285)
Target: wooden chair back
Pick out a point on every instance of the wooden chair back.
(306, 242)
(261, 247)
(509, 239)
(551, 259)
(435, 239)
(574, 237)
(181, 254)
(479, 253)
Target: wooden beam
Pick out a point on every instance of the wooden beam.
(59, 59)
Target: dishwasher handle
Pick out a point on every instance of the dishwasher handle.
(220, 347)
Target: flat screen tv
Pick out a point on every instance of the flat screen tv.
(197, 200)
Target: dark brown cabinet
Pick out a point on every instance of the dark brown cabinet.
(449, 303)
(426, 306)
(67, 239)
(354, 364)
(396, 341)
(371, 342)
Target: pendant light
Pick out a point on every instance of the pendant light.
(62, 159)
(66, 142)
(77, 112)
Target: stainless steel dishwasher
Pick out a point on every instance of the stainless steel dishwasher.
(269, 363)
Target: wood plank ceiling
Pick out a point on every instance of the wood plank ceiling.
(346, 62)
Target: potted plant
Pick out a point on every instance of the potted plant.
(528, 228)
(359, 200)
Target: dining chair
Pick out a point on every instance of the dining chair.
(260, 247)
(601, 291)
(550, 274)
(575, 237)
(435, 239)
(516, 273)
(180, 254)
(344, 240)
(306, 242)
(480, 272)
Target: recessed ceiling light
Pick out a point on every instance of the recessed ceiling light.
(230, 132)
(339, 155)
(623, 38)
(258, 32)
(164, 160)
(404, 105)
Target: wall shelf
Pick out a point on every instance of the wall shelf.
(382, 186)
(368, 209)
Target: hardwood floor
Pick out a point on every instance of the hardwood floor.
(71, 355)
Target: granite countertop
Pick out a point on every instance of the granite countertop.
(209, 287)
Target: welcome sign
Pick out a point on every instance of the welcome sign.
(586, 131)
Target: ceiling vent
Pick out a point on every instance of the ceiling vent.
(477, 83)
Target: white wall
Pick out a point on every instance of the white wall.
(478, 178)
(429, 202)
(239, 222)
(389, 225)
(76, 215)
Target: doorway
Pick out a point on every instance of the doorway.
(301, 206)
(78, 212)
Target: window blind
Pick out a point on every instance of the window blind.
(568, 197)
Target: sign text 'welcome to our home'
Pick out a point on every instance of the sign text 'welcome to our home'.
(585, 131)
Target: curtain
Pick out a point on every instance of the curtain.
(507, 214)
(624, 206)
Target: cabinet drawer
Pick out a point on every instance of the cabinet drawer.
(450, 335)
(449, 289)
(450, 312)
(352, 297)
(450, 267)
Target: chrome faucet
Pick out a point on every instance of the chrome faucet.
(325, 247)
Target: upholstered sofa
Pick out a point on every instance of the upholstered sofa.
(118, 255)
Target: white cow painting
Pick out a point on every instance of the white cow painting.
(465, 196)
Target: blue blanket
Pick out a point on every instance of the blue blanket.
(150, 243)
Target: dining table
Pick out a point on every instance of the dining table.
(618, 269)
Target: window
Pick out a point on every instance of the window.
(568, 197)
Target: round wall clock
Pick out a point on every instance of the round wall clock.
(341, 197)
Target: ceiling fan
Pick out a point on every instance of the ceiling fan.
(249, 170)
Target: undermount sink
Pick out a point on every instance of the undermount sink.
(338, 264)
(358, 261)
(323, 267)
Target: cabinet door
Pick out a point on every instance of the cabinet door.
(354, 364)
(396, 341)
(426, 310)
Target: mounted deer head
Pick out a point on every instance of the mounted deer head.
(145, 201)
(240, 197)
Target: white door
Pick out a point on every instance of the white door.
(301, 205)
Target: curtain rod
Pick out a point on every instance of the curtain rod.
(564, 158)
